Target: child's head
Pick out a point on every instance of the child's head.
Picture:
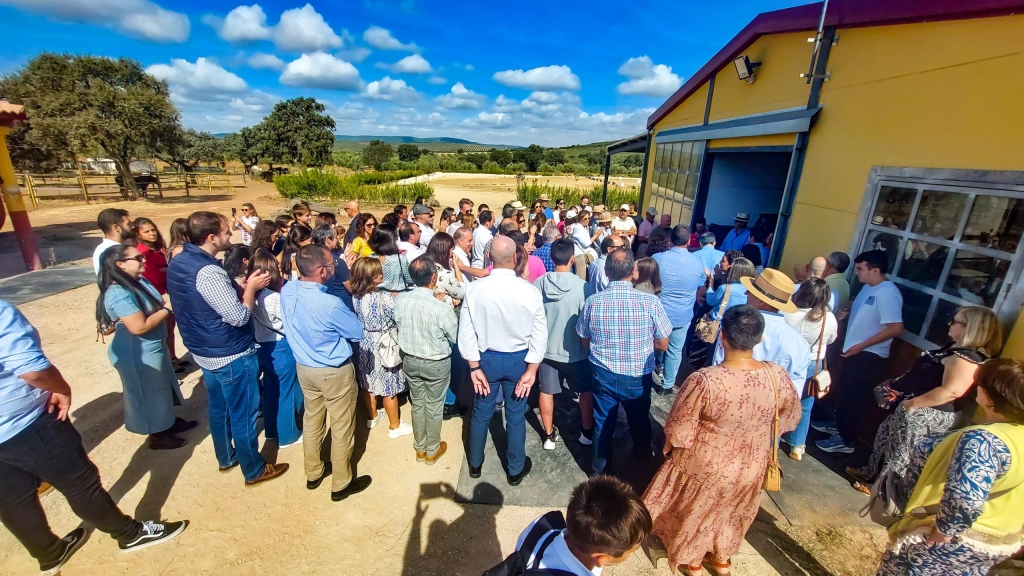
(606, 520)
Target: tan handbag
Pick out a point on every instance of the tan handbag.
(819, 384)
(707, 329)
(773, 475)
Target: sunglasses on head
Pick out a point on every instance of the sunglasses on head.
(137, 258)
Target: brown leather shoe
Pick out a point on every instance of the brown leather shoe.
(269, 473)
(441, 449)
(421, 456)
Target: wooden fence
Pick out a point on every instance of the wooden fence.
(88, 186)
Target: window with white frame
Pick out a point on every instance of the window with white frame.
(949, 243)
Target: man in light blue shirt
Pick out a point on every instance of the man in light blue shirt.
(318, 327)
(781, 343)
(739, 236)
(708, 254)
(39, 444)
(682, 274)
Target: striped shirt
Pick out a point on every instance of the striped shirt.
(426, 326)
(622, 324)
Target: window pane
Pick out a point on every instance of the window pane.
(976, 278)
(938, 331)
(915, 308)
(923, 262)
(673, 160)
(675, 181)
(690, 192)
(939, 213)
(660, 157)
(995, 222)
(888, 243)
(696, 156)
(893, 207)
(683, 164)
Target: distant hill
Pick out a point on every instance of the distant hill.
(436, 144)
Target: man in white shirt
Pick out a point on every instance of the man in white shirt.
(117, 227)
(481, 237)
(409, 240)
(643, 233)
(423, 216)
(463, 246)
(875, 319)
(623, 225)
(503, 334)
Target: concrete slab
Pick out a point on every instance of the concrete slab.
(41, 283)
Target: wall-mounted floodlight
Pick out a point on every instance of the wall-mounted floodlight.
(745, 68)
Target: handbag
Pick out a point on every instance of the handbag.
(773, 474)
(105, 328)
(707, 329)
(819, 384)
(387, 347)
(885, 509)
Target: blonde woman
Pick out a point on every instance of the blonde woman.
(938, 393)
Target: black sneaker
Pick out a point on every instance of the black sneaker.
(517, 479)
(356, 486)
(71, 543)
(314, 484)
(451, 411)
(662, 391)
(153, 533)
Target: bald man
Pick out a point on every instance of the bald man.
(503, 334)
(816, 268)
(352, 210)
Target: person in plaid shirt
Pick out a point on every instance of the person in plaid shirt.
(622, 327)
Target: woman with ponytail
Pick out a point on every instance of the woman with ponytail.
(138, 350)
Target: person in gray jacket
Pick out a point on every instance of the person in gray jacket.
(564, 294)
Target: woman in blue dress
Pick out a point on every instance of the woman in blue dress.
(970, 485)
(384, 243)
(139, 350)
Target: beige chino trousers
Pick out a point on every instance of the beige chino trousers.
(329, 392)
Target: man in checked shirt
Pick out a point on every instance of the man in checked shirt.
(622, 326)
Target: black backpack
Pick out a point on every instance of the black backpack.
(543, 533)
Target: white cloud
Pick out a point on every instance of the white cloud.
(460, 98)
(382, 39)
(391, 90)
(647, 78)
(304, 30)
(264, 61)
(202, 80)
(437, 80)
(469, 67)
(321, 70)
(135, 18)
(355, 54)
(543, 78)
(243, 24)
(412, 64)
(505, 104)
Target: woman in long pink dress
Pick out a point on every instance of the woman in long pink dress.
(718, 442)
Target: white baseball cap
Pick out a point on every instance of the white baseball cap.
(652, 210)
(624, 207)
(571, 213)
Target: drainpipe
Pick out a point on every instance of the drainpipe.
(607, 168)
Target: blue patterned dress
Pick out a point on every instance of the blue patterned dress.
(979, 460)
(376, 311)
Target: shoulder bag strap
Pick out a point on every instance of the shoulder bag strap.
(725, 301)
(821, 342)
(775, 423)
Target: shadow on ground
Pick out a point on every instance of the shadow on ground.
(467, 545)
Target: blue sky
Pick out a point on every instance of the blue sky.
(553, 73)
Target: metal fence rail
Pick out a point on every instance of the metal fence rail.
(91, 186)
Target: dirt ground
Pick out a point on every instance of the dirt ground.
(406, 523)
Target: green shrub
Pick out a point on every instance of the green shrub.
(527, 192)
(372, 187)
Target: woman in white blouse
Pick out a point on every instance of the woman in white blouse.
(819, 327)
(583, 241)
(449, 278)
(282, 397)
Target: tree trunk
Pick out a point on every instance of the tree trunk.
(124, 169)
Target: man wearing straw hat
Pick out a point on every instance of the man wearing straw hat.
(739, 236)
(781, 343)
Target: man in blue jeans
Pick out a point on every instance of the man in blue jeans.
(682, 275)
(502, 334)
(623, 327)
(215, 328)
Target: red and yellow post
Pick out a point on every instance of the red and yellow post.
(11, 193)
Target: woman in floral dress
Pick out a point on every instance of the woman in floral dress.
(718, 442)
(375, 308)
(973, 479)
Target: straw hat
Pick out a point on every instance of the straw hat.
(605, 217)
(518, 205)
(771, 287)
(543, 197)
(743, 217)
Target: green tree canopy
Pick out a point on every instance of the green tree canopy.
(299, 131)
(554, 156)
(84, 103)
(376, 154)
(188, 148)
(500, 157)
(409, 152)
(531, 156)
(477, 159)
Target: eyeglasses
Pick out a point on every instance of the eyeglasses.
(369, 225)
(139, 258)
(960, 322)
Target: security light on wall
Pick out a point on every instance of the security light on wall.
(745, 68)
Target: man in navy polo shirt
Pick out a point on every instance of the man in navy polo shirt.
(215, 328)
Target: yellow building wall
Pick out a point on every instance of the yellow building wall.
(777, 84)
(689, 112)
(932, 95)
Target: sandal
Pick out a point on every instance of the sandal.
(717, 567)
(863, 488)
(697, 570)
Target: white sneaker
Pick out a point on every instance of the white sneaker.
(403, 429)
(796, 453)
(373, 421)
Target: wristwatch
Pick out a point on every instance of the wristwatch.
(475, 369)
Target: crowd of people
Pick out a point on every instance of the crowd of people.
(304, 316)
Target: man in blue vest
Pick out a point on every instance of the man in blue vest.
(215, 328)
(739, 236)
